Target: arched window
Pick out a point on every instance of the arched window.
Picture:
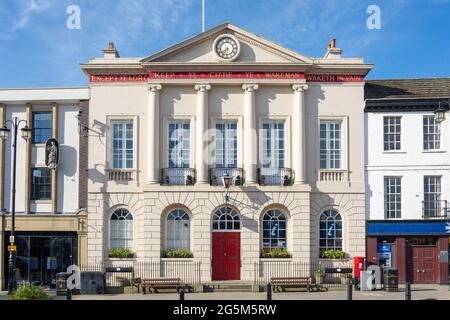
(274, 230)
(178, 230)
(122, 229)
(330, 230)
(226, 218)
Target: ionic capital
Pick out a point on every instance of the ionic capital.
(300, 87)
(250, 87)
(202, 87)
(154, 87)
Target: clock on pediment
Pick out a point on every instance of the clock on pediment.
(227, 47)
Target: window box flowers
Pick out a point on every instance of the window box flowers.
(332, 254)
(120, 254)
(177, 254)
(274, 253)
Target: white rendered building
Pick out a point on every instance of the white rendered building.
(51, 202)
(408, 177)
(287, 129)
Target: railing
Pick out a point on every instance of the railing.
(237, 175)
(275, 176)
(187, 271)
(265, 270)
(120, 175)
(435, 209)
(333, 175)
(178, 177)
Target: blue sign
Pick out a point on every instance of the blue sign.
(409, 228)
(384, 248)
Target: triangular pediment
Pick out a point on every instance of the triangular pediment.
(254, 49)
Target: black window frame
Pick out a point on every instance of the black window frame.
(37, 195)
(45, 129)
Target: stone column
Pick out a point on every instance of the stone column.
(27, 190)
(250, 136)
(299, 133)
(55, 116)
(153, 134)
(201, 125)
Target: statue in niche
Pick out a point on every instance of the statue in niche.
(52, 154)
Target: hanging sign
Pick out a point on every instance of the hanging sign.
(12, 248)
(52, 154)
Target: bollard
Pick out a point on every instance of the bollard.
(182, 295)
(350, 291)
(408, 291)
(69, 294)
(269, 291)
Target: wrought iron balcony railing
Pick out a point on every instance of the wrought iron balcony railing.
(178, 177)
(237, 175)
(435, 209)
(275, 176)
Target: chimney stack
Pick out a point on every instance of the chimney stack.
(110, 52)
(333, 52)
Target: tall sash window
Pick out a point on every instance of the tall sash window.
(226, 144)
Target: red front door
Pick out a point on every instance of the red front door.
(226, 256)
(423, 264)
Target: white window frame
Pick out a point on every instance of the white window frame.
(287, 139)
(344, 141)
(178, 121)
(439, 134)
(342, 238)
(110, 136)
(392, 133)
(165, 138)
(386, 194)
(166, 242)
(133, 240)
(227, 152)
(286, 216)
(438, 194)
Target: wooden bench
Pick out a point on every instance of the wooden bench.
(299, 282)
(162, 283)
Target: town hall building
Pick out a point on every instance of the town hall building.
(285, 131)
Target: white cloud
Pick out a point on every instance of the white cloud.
(30, 7)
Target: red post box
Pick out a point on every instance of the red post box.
(358, 266)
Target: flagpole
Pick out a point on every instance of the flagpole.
(203, 15)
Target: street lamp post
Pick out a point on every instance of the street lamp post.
(26, 135)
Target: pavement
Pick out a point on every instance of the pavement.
(419, 292)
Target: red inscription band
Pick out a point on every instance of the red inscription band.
(334, 78)
(119, 78)
(226, 75)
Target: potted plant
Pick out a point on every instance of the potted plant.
(275, 253)
(120, 254)
(29, 292)
(177, 254)
(319, 274)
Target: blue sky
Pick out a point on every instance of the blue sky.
(37, 49)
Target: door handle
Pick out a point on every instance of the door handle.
(423, 270)
(418, 270)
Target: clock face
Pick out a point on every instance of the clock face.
(227, 48)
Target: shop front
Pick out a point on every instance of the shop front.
(418, 249)
(41, 255)
(46, 245)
